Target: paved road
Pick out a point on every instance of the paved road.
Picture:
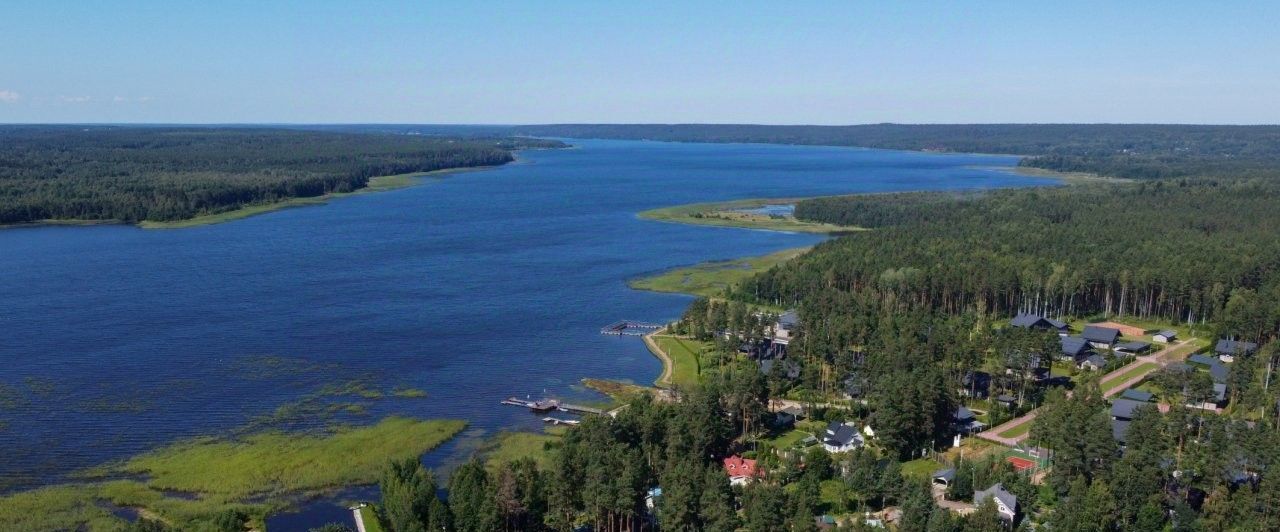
(1110, 386)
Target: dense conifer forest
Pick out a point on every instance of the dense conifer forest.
(133, 174)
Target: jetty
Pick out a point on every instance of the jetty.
(630, 328)
(548, 405)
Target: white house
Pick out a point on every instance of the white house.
(1006, 503)
(1164, 337)
(841, 437)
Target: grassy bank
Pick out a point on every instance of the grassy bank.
(731, 214)
(254, 475)
(710, 279)
(685, 359)
(376, 184)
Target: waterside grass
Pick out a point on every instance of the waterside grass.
(711, 279)
(733, 214)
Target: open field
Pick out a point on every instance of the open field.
(254, 475)
(732, 214)
(711, 279)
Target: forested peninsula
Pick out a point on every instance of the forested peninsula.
(133, 174)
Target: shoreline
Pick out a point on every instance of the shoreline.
(728, 214)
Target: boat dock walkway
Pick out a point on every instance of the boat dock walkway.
(630, 328)
(547, 405)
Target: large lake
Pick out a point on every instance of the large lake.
(472, 287)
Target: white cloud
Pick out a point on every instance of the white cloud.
(119, 99)
(75, 99)
(9, 96)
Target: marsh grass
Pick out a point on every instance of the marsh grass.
(254, 474)
(711, 279)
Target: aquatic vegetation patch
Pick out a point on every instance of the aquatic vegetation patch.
(197, 481)
(277, 462)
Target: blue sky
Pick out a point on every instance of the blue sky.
(546, 61)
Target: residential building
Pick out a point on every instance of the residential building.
(1006, 503)
(842, 437)
(1100, 337)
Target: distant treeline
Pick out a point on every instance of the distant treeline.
(1139, 151)
(155, 173)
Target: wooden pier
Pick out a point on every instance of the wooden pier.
(630, 328)
(547, 405)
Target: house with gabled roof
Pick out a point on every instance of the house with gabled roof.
(1038, 323)
(1006, 503)
(1125, 409)
(741, 470)
(1227, 350)
(1073, 347)
(1100, 337)
(1092, 362)
(965, 422)
(1137, 395)
(1133, 348)
(842, 437)
(1165, 336)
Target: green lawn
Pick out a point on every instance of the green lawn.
(728, 214)
(1128, 374)
(920, 468)
(789, 439)
(710, 279)
(1016, 431)
(685, 358)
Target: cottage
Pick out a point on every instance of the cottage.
(741, 470)
(1100, 337)
(1125, 409)
(1132, 348)
(1006, 503)
(788, 416)
(788, 322)
(1006, 400)
(1137, 395)
(1039, 323)
(1228, 350)
(841, 437)
(1165, 336)
(1073, 347)
(1119, 430)
(965, 422)
(944, 477)
(976, 384)
(786, 369)
(1092, 362)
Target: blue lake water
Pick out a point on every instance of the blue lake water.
(471, 287)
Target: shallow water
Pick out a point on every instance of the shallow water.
(472, 288)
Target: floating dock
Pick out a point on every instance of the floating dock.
(630, 328)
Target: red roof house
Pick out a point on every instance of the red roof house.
(741, 469)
